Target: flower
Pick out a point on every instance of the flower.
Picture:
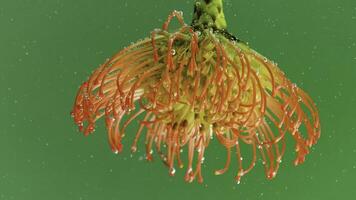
(193, 85)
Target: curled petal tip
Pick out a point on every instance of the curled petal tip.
(172, 171)
(133, 149)
(200, 180)
(299, 160)
(218, 172)
(149, 157)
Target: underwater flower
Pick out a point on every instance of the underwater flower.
(193, 85)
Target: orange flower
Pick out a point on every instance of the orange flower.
(197, 84)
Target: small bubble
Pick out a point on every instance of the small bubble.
(173, 52)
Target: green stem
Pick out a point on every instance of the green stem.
(209, 14)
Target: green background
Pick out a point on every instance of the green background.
(48, 48)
